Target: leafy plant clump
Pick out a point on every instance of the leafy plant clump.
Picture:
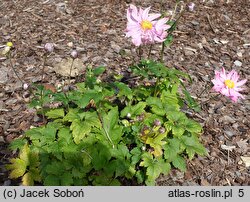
(103, 133)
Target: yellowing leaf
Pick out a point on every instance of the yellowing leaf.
(27, 180)
(157, 151)
(18, 167)
(24, 154)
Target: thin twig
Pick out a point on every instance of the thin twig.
(210, 24)
(12, 66)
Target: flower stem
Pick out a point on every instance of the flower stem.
(156, 85)
(42, 102)
(150, 50)
(162, 51)
(175, 9)
(140, 52)
(71, 69)
(44, 63)
(13, 68)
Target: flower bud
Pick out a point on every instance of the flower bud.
(25, 86)
(74, 54)
(49, 47)
(191, 6)
(157, 122)
(128, 115)
(98, 81)
(162, 130)
(65, 88)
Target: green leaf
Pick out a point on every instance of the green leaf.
(192, 145)
(92, 119)
(79, 130)
(155, 68)
(100, 156)
(49, 132)
(172, 149)
(67, 179)
(134, 110)
(179, 162)
(64, 135)
(136, 155)
(156, 105)
(178, 130)
(55, 113)
(55, 168)
(177, 116)
(61, 97)
(35, 173)
(72, 115)
(175, 74)
(35, 133)
(83, 99)
(153, 168)
(81, 87)
(69, 148)
(121, 152)
(170, 101)
(111, 129)
(190, 101)
(99, 70)
(104, 180)
(130, 172)
(140, 176)
(52, 180)
(124, 90)
(17, 143)
(166, 167)
(193, 126)
(168, 40)
(117, 166)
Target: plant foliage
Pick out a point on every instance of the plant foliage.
(105, 132)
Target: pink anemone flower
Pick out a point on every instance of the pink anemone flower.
(144, 28)
(228, 84)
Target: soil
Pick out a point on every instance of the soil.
(216, 34)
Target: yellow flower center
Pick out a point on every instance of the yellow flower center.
(229, 83)
(146, 25)
(9, 44)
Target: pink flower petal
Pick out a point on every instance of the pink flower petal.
(240, 83)
(233, 91)
(145, 13)
(153, 17)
